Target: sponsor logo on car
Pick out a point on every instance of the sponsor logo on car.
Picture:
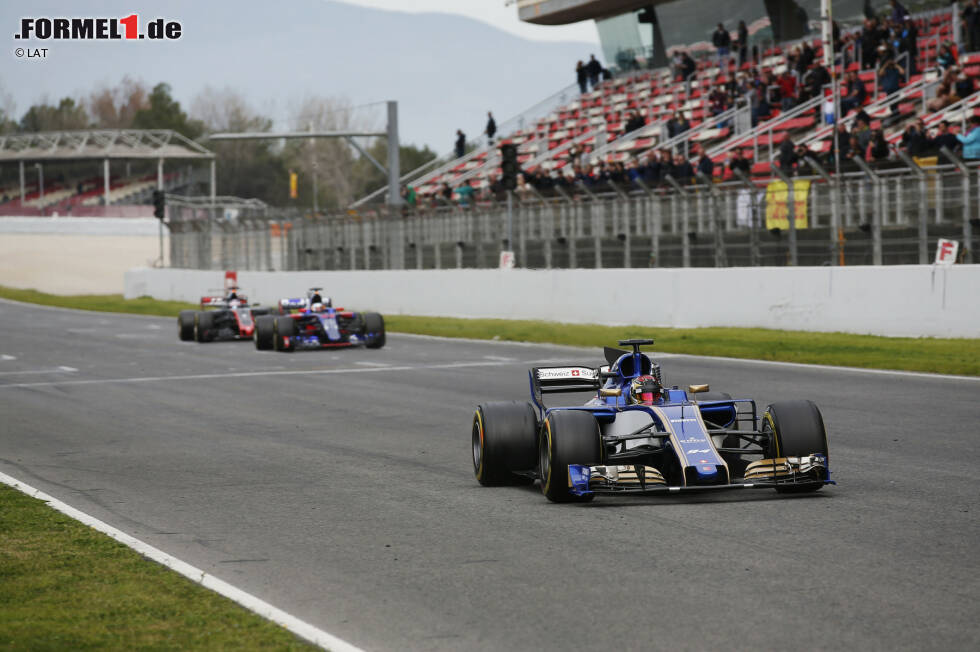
(558, 373)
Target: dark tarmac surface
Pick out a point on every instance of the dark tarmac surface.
(338, 486)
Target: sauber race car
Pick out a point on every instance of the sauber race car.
(637, 436)
(313, 323)
(226, 317)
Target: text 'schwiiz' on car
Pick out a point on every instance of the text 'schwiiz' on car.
(312, 322)
(227, 317)
(637, 436)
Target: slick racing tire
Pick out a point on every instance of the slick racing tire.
(374, 330)
(204, 326)
(504, 441)
(264, 332)
(284, 327)
(795, 429)
(566, 437)
(185, 325)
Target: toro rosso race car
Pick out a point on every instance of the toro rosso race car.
(313, 323)
(636, 436)
(226, 317)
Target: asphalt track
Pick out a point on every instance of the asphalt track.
(338, 486)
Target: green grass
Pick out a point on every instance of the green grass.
(926, 354)
(934, 355)
(65, 586)
(99, 302)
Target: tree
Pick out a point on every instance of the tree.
(67, 115)
(8, 107)
(245, 168)
(116, 108)
(164, 112)
(368, 178)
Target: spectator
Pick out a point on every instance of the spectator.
(523, 189)
(594, 68)
(582, 76)
(722, 40)
(899, 13)
(971, 142)
(687, 70)
(944, 97)
(856, 93)
(739, 162)
(409, 197)
(841, 142)
(634, 122)
(743, 43)
(914, 139)
(945, 58)
(879, 146)
(717, 100)
(944, 138)
(787, 156)
(491, 129)
(460, 143)
(862, 132)
(677, 125)
(653, 171)
(890, 77)
(854, 149)
(682, 171)
(447, 192)
(705, 165)
(465, 193)
(787, 89)
(814, 81)
(760, 104)
(606, 74)
(963, 86)
(971, 25)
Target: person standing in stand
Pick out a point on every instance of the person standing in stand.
(491, 129)
(722, 40)
(594, 68)
(582, 77)
(460, 143)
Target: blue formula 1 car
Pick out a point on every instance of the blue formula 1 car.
(636, 436)
(312, 322)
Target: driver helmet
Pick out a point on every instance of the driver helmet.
(644, 390)
(232, 293)
(317, 307)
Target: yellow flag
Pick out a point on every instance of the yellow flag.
(292, 185)
(777, 213)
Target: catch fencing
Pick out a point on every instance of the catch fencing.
(882, 216)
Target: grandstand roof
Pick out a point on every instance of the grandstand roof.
(100, 144)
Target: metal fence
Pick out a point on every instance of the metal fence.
(869, 216)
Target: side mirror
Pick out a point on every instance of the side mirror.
(696, 389)
(611, 391)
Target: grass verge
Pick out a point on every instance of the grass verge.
(925, 354)
(65, 586)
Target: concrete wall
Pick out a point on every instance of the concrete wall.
(912, 300)
(75, 255)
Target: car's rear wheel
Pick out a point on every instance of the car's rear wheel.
(204, 326)
(374, 330)
(796, 429)
(567, 437)
(264, 332)
(504, 442)
(285, 331)
(185, 325)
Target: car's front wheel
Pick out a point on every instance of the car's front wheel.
(185, 325)
(796, 429)
(503, 441)
(264, 332)
(567, 437)
(285, 331)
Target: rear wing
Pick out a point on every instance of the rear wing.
(551, 380)
(221, 302)
(287, 306)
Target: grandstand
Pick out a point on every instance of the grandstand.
(73, 192)
(579, 141)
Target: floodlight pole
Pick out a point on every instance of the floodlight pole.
(875, 215)
(21, 183)
(160, 225)
(835, 218)
(394, 149)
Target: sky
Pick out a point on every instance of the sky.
(499, 13)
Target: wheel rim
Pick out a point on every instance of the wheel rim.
(544, 458)
(477, 444)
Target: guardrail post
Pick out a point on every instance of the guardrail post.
(790, 214)
(875, 210)
(685, 221)
(967, 256)
(835, 218)
(717, 220)
(923, 221)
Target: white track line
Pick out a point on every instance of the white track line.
(255, 374)
(278, 616)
